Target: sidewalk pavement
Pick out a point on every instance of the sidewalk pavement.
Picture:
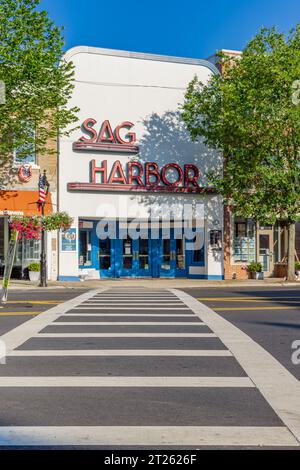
(154, 283)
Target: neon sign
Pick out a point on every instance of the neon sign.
(137, 176)
(107, 139)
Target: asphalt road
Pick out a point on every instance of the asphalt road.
(141, 368)
(270, 316)
(25, 304)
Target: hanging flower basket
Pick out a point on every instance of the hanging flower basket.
(57, 221)
(30, 228)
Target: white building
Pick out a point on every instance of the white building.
(133, 158)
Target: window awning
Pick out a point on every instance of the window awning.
(22, 203)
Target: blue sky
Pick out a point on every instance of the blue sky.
(188, 28)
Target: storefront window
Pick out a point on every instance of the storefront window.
(26, 154)
(85, 254)
(244, 240)
(127, 253)
(198, 253)
(144, 253)
(28, 251)
(105, 253)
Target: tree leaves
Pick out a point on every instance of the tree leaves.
(249, 116)
(38, 81)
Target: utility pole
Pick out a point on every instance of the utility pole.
(43, 191)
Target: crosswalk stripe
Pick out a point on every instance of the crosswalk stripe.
(85, 381)
(134, 297)
(125, 335)
(124, 315)
(146, 436)
(121, 352)
(130, 308)
(129, 323)
(118, 304)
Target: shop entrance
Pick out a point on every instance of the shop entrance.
(164, 255)
(265, 244)
(142, 257)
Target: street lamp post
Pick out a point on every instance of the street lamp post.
(43, 191)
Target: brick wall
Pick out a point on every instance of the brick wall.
(9, 172)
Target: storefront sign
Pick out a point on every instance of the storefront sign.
(68, 240)
(107, 139)
(134, 175)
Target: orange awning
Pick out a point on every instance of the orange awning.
(22, 203)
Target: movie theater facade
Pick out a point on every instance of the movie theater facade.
(130, 175)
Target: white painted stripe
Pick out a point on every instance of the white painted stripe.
(279, 387)
(123, 352)
(129, 323)
(135, 294)
(146, 436)
(124, 335)
(118, 304)
(133, 297)
(124, 315)
(132, 308)
(25, 331)
(75, 381)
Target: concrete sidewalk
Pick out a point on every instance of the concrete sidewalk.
(155, 283)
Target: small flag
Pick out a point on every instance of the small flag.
(42, 191)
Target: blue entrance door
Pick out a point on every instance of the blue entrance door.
(134, 257)
(107, 257)
(172, 257)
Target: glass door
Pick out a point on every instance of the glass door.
(167, 257)
(143, 257)
(135, 257)
(172, 257)
(180, 261)
(265, 250)
(85, 249)
(106, 257)
(127, 257)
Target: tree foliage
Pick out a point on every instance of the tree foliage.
(38, 82)
(249, 115)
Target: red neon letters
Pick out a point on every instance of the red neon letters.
(106, 133)
(145, 176)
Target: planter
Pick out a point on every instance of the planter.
(34, 276)
(258, 276)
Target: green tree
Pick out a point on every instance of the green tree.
(38, 82)
(252, 115)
